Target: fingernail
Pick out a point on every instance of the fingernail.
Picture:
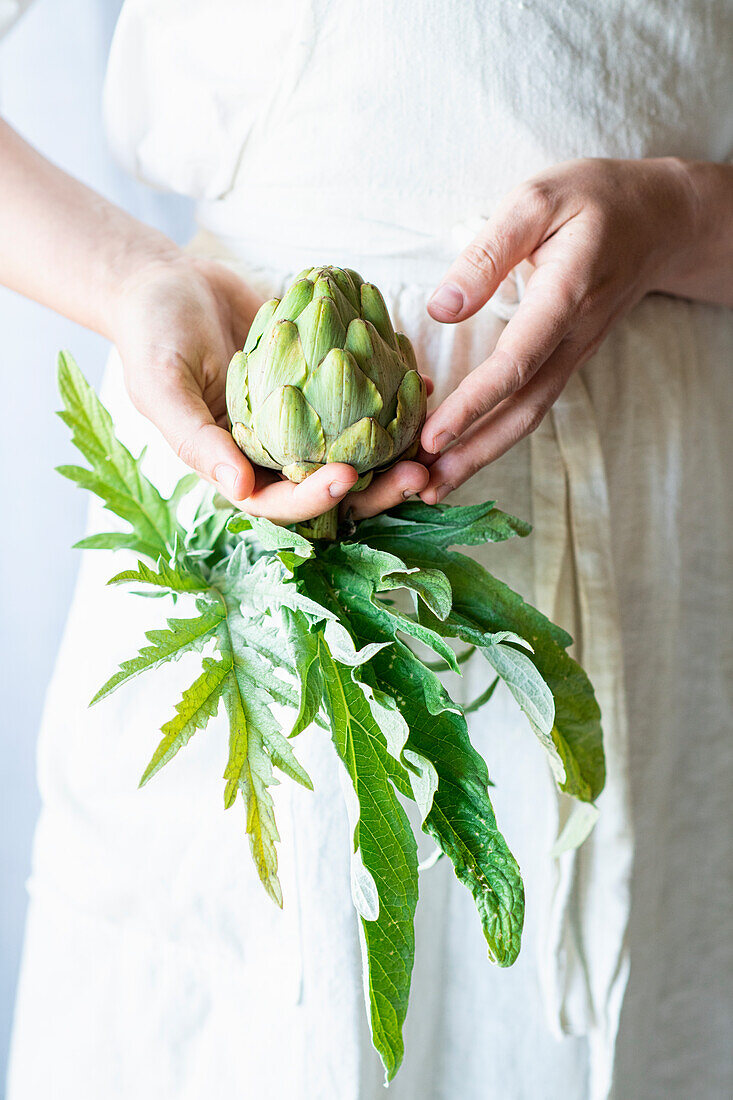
(442, 440)
(409, 493)
(442, 492)
(338, 488)
(227, 478)
(448, 298)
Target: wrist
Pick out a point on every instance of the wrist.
(673, 211)
(130, 264)
(698, 229)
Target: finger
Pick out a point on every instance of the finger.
(402, 481)
(174, 404)
(429, 384)
(520, 223)
(545, 315)
(286, 502)
(500, 430)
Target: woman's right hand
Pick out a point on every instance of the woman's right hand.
(176, 323)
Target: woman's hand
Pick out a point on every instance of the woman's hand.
(598, 235)
(176, 320)
(176, 323)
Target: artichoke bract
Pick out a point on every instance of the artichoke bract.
(324, 377)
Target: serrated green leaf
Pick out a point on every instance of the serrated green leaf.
(117, 540)
(115, 476)
(461, 819)
(252, 638)
(282, 540)
(267, 586)
(387, 572)
(489, 606)
(174, 578)
(182, 636)
(208, 538)
(239, 523)
(413, 775)
(249, 770)
(443, 525)
(430, 585)
(303, 645)
(290, 547)
(247, 693)
(200, 702)
(521, 676)
(283, 757)
(345, 578)
(183, 487)
(384, 874)
(342, 647)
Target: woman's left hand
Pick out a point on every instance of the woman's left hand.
(599, 235)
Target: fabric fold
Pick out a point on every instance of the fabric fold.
(583, 961)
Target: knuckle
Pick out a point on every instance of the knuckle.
(187, 451)
(529, 416)
(594, 299)
(570, 293)
(538, 198)
(483, 259)
(519, 372)
(514, 371)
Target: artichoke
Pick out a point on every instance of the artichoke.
(323, 377)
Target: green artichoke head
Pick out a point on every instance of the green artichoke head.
(323, 377)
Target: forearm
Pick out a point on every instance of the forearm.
(62, 244)
(702, 266)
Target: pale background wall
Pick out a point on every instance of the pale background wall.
(51, 72)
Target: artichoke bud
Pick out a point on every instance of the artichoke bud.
(324, 378)
(261, 320)
(349, 283)
(297, 298)
(374, 310)
(320, 329)
(237, 389)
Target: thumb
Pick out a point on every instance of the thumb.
(511, 234)
(180, 413)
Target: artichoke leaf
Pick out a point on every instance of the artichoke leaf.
(290, 427)
(359, 343)
(237, 391)
(296, 299)
(348, 287)
(279, 363)
(248, 442)
(363, 445)
(374, 310)
(261, 320)
(378, 362)
(341, 393)
(355, 278)
(320, 329)
(362, 481)
(411, 406)
(407, 351)
(325, 287)
(299, 471)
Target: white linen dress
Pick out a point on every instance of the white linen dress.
(155, 968)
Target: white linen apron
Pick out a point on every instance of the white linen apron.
(154, 966)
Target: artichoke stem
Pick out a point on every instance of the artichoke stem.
(322, 527)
